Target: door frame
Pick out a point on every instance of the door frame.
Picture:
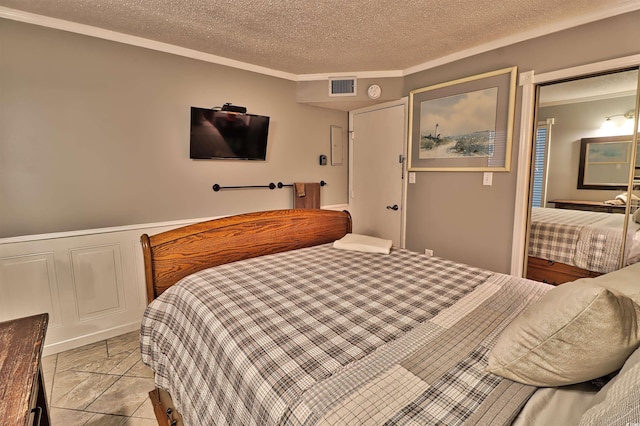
(529, 81)
(404, 102)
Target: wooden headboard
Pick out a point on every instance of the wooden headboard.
(172, 255)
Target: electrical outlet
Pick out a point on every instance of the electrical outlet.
(428, 252)
(412, 177)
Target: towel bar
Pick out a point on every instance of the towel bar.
(271, 185)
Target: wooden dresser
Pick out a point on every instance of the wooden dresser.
(22, 395)
(592, 206)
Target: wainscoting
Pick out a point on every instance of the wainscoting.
(90, 282)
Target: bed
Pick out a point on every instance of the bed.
(259, 319)
(582, 243)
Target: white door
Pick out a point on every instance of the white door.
(377, 184)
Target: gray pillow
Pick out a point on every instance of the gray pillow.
(618, 402)
(625, 281)
(576, 332)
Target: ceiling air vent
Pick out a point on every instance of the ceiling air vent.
(342, 86)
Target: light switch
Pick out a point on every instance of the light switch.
(412, 177)
(487, 178)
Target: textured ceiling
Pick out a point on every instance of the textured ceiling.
(325, 36)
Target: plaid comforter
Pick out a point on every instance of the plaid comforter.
(588, 240)
(321, 336)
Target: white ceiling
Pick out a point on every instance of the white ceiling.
(307, 37)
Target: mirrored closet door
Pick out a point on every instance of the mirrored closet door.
(585, 178)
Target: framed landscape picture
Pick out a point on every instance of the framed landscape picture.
(463, 125)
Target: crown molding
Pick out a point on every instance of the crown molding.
(628, 6)
(88, 30)
(60, 24)
(359, 75)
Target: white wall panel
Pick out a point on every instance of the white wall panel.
(139, 273)
(28, 286)
(90, 282)
(97, 281)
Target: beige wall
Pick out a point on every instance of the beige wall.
(452, 212)
(95, 133)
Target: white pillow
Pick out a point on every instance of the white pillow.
(562, 405)
(363, 243)
(576, 332)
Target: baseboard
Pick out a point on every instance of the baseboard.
(87, 339)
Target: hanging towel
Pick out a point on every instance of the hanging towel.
(299, 188)
(306, 195)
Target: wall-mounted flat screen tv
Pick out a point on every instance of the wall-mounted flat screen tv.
(228, 135)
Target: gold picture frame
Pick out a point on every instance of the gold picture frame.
(464, 125)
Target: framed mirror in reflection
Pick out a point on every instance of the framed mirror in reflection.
(605, 162)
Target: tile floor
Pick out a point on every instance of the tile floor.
(104, 383)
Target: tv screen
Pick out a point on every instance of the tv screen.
(228, 135)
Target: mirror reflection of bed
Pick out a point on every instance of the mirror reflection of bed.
(581, 214)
